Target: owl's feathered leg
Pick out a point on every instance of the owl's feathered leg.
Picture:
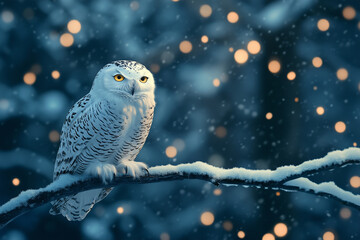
(132, 168)
(104, 170)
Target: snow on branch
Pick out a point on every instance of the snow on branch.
(286, 178)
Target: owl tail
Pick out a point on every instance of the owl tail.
(76, 207)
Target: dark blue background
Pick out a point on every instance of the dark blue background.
(189, 110)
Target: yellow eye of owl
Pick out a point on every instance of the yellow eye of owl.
(118, 77)
(144, 79)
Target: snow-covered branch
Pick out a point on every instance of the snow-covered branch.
(287, 178)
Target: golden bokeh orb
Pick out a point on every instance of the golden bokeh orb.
(253, 47)
(66, 40)
(29, 78)
(320, 110)
(241, 56)
(232, 17)
(207, 218)
(220, 132)
(345, 213)
(349, 13)
(340, 127)
(54, 136)
(204, 39)
(280, 230)
(55, 74)
(328, 236)
(74, 26)
(205, 10)
(268, 236)
(241, 234)
(274, 66)
(291, 75)
(16, 181)
(342, 74)
(185, 46)
(120, 210)
(268, 115)
(216, 82)
(171, 151)
(323, 25)
(317, 62)
(355, 181)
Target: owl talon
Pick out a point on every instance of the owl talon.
(132, 168)
(147, 172)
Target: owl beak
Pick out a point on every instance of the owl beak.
(133, 90)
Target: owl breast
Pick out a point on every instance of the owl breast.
(136, 118)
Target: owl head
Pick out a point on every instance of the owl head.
(126, 78)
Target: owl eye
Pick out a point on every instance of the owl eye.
(144, 79)
(119, 77)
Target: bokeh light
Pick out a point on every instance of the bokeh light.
(155, 68)
(228, 226)
(241, 234)
(241, 56)
(269, 116)
(171, 151)
(268, 236)
(74, 26)
(328, 236)
(220, 132)
(349, 13)
(16, 181)
(355, 181)
(320, 110)
(217, 192)
(280, 229)
(274, 66)
(345, 213)
(54, 136)
(55, 74)
(120, 210)
(232, 17)
(29, 78)
(216, 82)
(164, 236)
(317, 62)
(323, 25)
(291, 75)
(7, 16)
(340, 127)
(185, 46)
(253, 47)
(205, 10)
(207, 218)
(66, 40)
(204, 39)
(342, 74)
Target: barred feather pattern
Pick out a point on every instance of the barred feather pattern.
(99, 130)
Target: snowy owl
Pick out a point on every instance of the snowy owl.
(104, 132)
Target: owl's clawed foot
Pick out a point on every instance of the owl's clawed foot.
(105, 171)
(132, 168)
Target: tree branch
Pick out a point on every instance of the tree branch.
(287, 178)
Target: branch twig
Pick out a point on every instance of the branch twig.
(287, 178)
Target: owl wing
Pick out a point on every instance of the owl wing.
(89, 133)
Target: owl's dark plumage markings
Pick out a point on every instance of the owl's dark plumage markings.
(104, 131)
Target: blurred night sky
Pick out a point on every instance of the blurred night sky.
(254, 83)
